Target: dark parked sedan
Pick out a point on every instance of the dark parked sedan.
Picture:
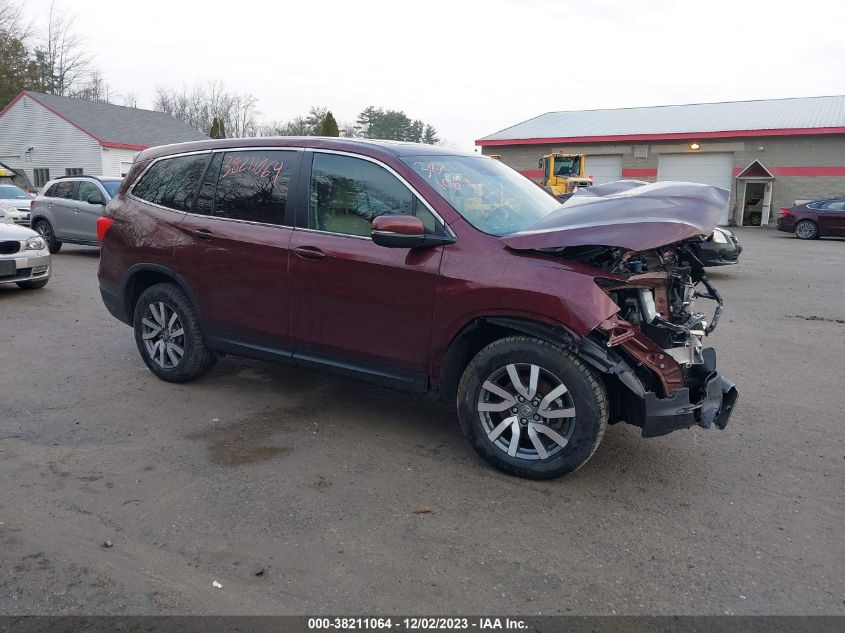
(819, 218)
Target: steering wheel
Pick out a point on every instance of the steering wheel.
(499, 218)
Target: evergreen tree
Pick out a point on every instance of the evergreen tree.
(329, 126)
(218, 129)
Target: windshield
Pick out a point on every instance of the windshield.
(10, 192)
(111, 186)
(488, 194)
(566, 167)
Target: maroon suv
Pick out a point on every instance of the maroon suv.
(426, 270)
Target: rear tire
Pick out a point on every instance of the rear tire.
(168, 335)
(33, 285)
(754, 219)
(45, 230)
(548, 425)
(806, 230)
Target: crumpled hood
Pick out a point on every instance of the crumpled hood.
(627, 214)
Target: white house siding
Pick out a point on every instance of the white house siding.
(57, 145)
(116, 162)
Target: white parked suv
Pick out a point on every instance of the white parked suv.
(68, 208)
(24, 258)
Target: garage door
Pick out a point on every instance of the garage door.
(604, 168)
(708, 169)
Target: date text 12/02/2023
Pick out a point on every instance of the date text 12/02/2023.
(418, 623)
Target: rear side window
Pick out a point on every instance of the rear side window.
(834, 205)
(172, 182)
(251, 186)
(62, 189)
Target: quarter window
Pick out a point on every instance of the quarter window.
(347, 193)
(172, 182)
(251, 186)
(62, 189)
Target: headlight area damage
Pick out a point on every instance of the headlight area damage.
(654, 343)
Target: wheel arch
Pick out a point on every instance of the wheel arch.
(482, 331)
(139, 277)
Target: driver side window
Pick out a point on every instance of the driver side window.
(347, 193)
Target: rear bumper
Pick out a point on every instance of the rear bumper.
(664, 415)
(115, 306)
(785, 226)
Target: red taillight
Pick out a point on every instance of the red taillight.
(103, 225)
(785, 211)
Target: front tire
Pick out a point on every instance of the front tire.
(45, 230)
(531, 408)
(806, 230)
(168, 335)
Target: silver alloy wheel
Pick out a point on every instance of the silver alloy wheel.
(163, 335)
(806, 230)
(526, 411)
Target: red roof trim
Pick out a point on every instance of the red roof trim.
(78, 127)
(61, 116)
(123, 145)
(11, 103)
(639, 172)
(665, 137)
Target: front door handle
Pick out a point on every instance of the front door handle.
(309, 252)
(200, 234)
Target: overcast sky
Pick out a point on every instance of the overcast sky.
(469, 67)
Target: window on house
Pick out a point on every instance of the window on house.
(40, 176)
(73, 171)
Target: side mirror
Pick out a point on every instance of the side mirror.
(404, 231)
(95, 198)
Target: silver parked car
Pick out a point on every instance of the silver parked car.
(15, 204)
(24, 257)
(68, 208)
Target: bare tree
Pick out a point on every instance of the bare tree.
(95, 88)
(199, 106)
(62, 61)
(347, 129)
(130, 100)
(12, 23)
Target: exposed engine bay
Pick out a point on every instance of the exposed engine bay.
(656, 291)
(659, 331)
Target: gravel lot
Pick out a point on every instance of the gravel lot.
(316, 479)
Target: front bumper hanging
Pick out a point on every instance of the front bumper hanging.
(664, 415)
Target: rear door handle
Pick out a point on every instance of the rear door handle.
(201, 234)
(309, 252)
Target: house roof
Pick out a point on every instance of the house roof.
(118, 126)
(771, 117)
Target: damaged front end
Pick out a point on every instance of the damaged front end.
(658, 335)
(654, 344)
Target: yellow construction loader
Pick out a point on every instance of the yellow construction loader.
(563, 174)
